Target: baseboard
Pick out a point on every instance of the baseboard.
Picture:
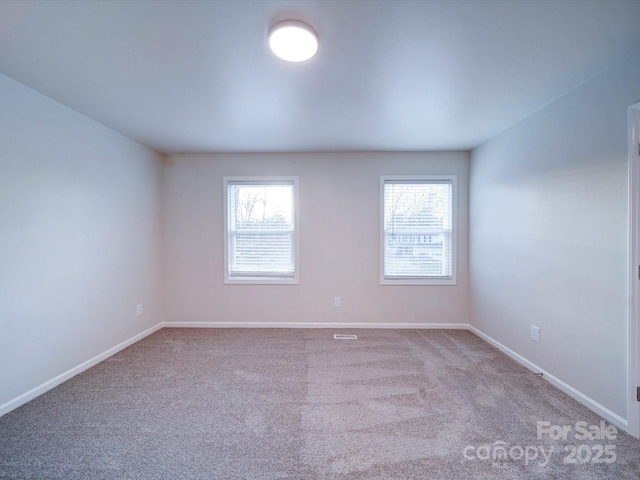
(577, 395)
(54, 382)
(336, 326)
(568, 389)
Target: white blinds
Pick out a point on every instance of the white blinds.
(261, 229)
(418, 229)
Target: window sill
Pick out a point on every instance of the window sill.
(419, 281)
(261, 281)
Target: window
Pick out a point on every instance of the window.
(260, 230)
(418, 241)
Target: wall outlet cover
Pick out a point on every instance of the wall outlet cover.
(535, 333)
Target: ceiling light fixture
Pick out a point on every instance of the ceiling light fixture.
(293, 41)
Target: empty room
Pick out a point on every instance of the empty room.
(363, 239)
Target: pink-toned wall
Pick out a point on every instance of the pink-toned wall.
(339, 216)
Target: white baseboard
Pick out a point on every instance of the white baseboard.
(336, 326)
(577, 395)
(54, 382)
(63, 377)
(568, 389)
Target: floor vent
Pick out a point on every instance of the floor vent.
(344, 336)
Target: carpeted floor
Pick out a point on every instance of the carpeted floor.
(296, 404)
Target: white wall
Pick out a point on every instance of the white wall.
(80, 239)
(339, 242)
(549, 235)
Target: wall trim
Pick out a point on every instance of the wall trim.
(588, 402)
(577, 395)
(336, 326)
(633, 320)
(63, 377)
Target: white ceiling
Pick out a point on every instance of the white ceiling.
(187, 76)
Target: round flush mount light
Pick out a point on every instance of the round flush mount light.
(293, 41)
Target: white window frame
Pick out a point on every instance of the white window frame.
(265, 279)
(454, 232)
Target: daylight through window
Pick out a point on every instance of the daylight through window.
(418, 234)
(261, 233)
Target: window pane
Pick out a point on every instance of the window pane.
(417, 229)
(263, 253)
(261, 229)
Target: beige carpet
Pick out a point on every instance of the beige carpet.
(296, 404)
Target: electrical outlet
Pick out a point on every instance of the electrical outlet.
(336, 301)
(139, 310)
(535, 333)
